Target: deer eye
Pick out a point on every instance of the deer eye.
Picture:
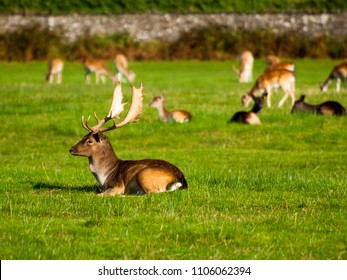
(90, 141)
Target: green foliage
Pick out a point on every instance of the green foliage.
(121, 6)
(215, 42)
(275, 191)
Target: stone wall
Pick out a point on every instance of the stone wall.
(168, 27)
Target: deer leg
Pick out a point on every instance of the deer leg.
(87, 78)
(338, 84)
(97, 78)
(112, 192)
(103, 79)
(268, 98)
(284, 98)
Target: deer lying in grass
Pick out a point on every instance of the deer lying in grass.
(338, 73)
(99, 68)
(250, 117)
(55, 71)
(271, 80)
(116, 176)
(179, 116)
(121, 64)
(246, 60)
(327, 108)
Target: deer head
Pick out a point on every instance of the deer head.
(95, 133)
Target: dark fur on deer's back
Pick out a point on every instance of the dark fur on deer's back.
(325, 108)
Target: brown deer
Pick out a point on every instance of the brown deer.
(246, 60)
(338, 73)
(98, 67)
(116, 176)
(327, 108)
(250, 117)
(271, 80)
(121, 64)
(179, 116)
(55, 71)
(272, 59)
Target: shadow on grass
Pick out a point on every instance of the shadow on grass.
(52, 187)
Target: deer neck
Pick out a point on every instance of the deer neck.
(256, 109)
(103, 164)
(163, 114)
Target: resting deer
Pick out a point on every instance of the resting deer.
(250, 117)
(246, 60)
(121, 64)
(99, 68)
(338, 73)
(327, 108)
(55, 71)
(116, 176)
(179, 116)
(271, 80)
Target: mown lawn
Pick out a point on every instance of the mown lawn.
(275, 191)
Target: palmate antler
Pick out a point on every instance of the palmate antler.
(117, 108)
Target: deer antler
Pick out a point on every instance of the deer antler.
(117, 108)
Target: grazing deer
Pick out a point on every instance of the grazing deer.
(338, 73)
(327, 108)
(116, 176)
(246, 60)
(271, 80)
(55, 71)
(250, 117)
(121, 64)
(179, 116)
(290, 66)
(272, 59)
(99, 68)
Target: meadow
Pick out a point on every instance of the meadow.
(274, 191)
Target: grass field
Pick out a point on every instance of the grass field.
(275, 191)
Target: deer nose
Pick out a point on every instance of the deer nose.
(71, 150)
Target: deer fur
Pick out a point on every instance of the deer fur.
(179, 116)
(98, 67)
(327, 108)
(250, 117)
(119, 177)
(268, 81)
(339, 73)
(121, 64)
(55, 71)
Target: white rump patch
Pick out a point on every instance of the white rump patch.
(174, 186)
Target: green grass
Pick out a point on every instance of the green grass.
(275, 191)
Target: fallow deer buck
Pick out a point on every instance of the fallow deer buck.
(121, 64)
(250, 117)
(55, 71)
(116, 176)
(328, 108)
(338, 73)
(98, 67)
(246, 60)
(179, 116)
(271, 80)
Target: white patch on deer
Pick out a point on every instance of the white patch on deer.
(174, 186)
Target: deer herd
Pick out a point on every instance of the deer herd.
(146, 176)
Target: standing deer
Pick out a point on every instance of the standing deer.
(327, 108)
(99, 68)
(271, 80)
(250, 117)
(179, 116)
(246, 60)
(55, 71)
(116, 176)
(338, 73)
(121, 64)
